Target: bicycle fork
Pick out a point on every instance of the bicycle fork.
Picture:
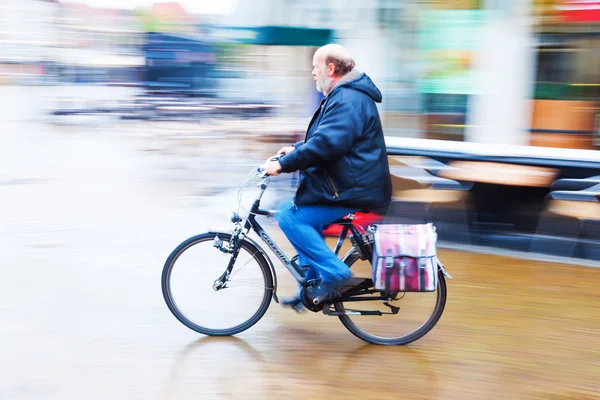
(233, 247)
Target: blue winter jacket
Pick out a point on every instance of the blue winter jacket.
(343, 159)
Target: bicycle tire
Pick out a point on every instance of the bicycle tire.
(401, 340)
(245, 246)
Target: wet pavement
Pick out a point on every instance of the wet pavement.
(90, 211)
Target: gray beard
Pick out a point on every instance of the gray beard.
(327, 85)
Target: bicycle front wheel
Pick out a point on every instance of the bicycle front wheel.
(418, 312)
(190, 273)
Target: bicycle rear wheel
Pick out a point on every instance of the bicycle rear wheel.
(187, 284)
(419, 311)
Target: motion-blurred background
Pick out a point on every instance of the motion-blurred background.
(433, 60)
(462, 81)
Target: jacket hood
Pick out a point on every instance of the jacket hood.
(360, 81)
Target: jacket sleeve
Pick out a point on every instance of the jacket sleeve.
(337, 132)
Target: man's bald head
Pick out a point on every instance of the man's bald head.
(330, 64)
(336, 55)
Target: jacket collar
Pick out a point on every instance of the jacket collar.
(349, 77)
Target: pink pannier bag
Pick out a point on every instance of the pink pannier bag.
(404, 258)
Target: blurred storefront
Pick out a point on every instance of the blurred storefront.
(419, 53)
(499, 72)
(566, 101)
(270, 64)
(179, 64)
(47, 41)
(28, 39)
(447, 46)
(514, 72)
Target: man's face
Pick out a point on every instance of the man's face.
(320, 74)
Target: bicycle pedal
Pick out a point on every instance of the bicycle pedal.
(294, 304)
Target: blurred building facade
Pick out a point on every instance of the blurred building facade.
(482, 71)
(566, 94)
(28, 36)
(67, 40)
(509, 72)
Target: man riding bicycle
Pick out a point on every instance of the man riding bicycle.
(343, 167)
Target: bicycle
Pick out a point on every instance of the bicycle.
(235, 247)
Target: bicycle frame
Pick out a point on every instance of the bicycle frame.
(252, 223)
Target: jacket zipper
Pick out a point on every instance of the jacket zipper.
(315, 115)
(331, 185)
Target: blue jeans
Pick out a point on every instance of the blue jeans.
(303, 226)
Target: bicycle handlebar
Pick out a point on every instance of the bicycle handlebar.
(261, 173)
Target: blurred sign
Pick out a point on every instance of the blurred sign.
(274, 35)
(447, 41)
(244, 35)
(597, 131)
(579, 10)
(456, 4)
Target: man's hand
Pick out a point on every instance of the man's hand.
(286, 150)
(272, 168)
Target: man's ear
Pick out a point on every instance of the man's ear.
(331, 69)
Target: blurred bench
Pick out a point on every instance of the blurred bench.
(574, 214)
(419, 196)
(575, 184)
(500, 173)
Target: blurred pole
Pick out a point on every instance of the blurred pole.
(504, 72)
